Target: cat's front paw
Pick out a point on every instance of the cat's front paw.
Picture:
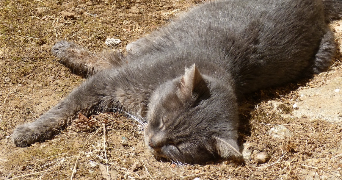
(60, 48)
(27, 134)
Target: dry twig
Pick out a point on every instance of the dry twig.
(104, 148)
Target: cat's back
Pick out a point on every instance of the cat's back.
(252, 40)
(221, 18)
(261, 43)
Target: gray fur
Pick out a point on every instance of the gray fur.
(227, 48)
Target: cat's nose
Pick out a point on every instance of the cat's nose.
(154, 144)
(157, 140)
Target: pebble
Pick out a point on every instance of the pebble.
(112, 42)
(246, 152)
(262, 157)
(124, 141)
(295, 106)
(68, 15)
(279, 132)
(92, 163)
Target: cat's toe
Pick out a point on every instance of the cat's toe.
(23, 136)
(60, 48)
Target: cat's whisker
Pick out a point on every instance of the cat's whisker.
(140, 120)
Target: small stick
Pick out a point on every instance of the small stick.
(9, 95)
(104, 148)
(75, 166)
(40, 172)
(74, 170)
(309, 166)
(147, 170)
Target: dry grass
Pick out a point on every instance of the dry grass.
(111, 146)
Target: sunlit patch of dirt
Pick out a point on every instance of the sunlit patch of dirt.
(110, 145)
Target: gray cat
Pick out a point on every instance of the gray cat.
(227, 47)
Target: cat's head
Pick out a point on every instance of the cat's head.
(193, 119)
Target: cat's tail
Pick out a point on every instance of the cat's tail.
(333, 9)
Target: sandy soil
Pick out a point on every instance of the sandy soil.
(110, 146)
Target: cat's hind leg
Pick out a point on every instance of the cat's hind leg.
(83, 62)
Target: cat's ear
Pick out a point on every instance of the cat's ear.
(192, 83)
(228, 148)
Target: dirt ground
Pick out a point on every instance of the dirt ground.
(110, 146)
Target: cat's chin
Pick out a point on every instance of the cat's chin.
(168, 153)
(174, 154)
